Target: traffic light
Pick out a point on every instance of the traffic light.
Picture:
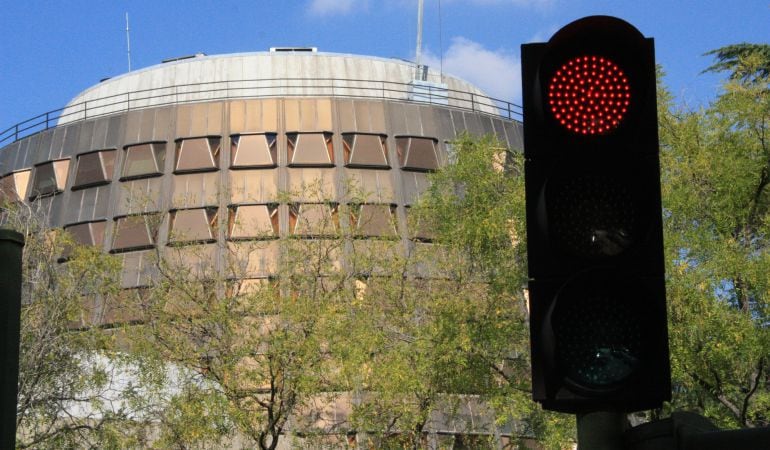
(595, 243)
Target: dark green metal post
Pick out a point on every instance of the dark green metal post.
(11, 245)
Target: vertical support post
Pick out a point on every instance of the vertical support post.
(601, 430)
(11, 245)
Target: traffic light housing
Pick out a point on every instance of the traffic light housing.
(598, 327)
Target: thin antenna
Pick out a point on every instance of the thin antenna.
(418, 51)
(128, 43)
(440, 43)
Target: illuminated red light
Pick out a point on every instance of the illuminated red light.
(583, 107)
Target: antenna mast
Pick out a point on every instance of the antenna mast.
(419, 75)
(128, 43)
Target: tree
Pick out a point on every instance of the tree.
(68, 394)
(445, 322)
(747, 63)
(715, 176)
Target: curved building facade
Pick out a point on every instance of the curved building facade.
(222, 151)
(239, 141)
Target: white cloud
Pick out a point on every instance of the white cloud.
(496, 72)
(326, 7)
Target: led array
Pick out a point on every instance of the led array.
(589, 95)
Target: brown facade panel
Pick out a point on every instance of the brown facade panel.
(444, 128)
(428, 120)
(251, 259)
(253, 116)
(312, 185)
(196, 262)
(308, 114)
(88, 204)
(71, 140)
(346, 115)
(413, 122)
(57, 142)
(458, 122)
(138, 196)
(163, 124)
(114, 132)
(515, 140)
(473, 124)
(147, 125)
(8, 155)
(138, 269)
(100, 133)
(86, 137)
(50, 208)
(195, 190)
(253, 186)
(414, 184)
(44, 146)
(133, 121)
(397, 118)
(253, 222)
(369, 186)
(486, 125)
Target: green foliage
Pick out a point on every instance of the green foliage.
(747, 63)
(715, 172)
(66, 367)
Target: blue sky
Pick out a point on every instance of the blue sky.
(52, 50)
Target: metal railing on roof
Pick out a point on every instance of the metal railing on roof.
(260, 88)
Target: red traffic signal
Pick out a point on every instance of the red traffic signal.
(594, 232)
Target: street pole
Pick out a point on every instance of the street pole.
(601, 430)
(11, 245)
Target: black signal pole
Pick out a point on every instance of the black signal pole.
(11, 245)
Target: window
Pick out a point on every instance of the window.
(419, 228)
(49, 178)
(310, 149)
(135, 232)
(94, 168)
(254, 150)
(365, 150)
(417, 153)
(253, 221)
(313, 219)
(13, 187)
(88, 233)
(197, 154)
(193, 225)
(372, 220)
(144, 160)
